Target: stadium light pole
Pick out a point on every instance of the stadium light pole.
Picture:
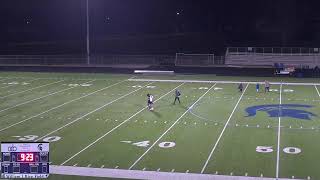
(88, 33)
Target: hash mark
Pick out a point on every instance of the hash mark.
(172, 170)
(116, 167)
(75, 164)
(144, 169)
(89, 165)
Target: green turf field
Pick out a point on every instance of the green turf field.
(101, 121)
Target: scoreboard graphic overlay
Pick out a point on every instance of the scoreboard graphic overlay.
(25, 160)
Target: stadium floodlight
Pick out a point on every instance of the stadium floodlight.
(88, 33)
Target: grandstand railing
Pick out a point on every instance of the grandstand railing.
(268, 56)
(273, 50)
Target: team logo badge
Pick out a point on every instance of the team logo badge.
(12, 148)
(296, 111)
(40, 147)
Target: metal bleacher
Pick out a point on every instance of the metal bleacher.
(253, 56)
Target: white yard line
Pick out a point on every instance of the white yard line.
(221, 134)
(156, 142)
(56, 107)
(139, 174)
(113, 129)
(26, 102)
(3, 79)
(17, 84)
(279, 131)
(225, 82)
(30, 89)
(97, 109)
(317, 90)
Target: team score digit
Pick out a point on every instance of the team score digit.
(287, 150)
(34, 138)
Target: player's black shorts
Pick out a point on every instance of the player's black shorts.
(150, 102)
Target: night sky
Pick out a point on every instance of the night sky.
(47, 20)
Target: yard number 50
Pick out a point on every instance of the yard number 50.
(269, 149)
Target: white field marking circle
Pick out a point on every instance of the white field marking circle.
(288, 90)
(264, 149)
(292, 150)
(274, 90)
(167, 144)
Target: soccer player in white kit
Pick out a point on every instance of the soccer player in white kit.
(150, 102)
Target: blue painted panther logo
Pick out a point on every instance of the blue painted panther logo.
(283, 110)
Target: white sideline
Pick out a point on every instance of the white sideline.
(225, 82)
(15, 84)
(56, 107)
(279, 131)
(317, 90)
(26, 102)
(138, 174)
(224, 128)
(87, 114)
(30, 89)
(125, 121)
(170, 128)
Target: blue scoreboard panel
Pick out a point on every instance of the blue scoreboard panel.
(24, 160)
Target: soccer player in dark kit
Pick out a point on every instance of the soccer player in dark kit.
(177, 96)
(240, 87)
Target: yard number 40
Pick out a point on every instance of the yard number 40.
(269, 149)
